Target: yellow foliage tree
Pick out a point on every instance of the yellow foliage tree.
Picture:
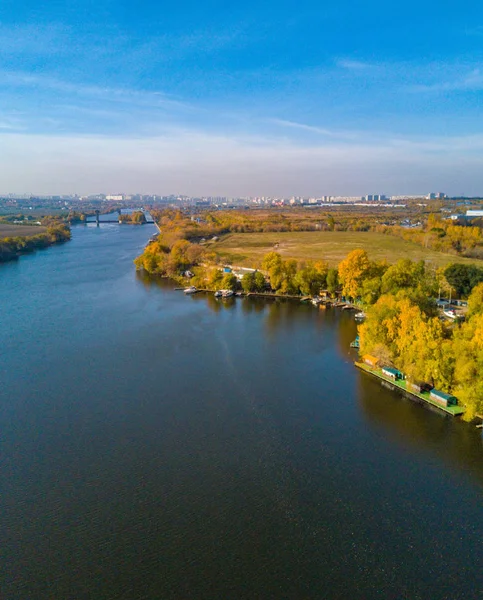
(352, 271)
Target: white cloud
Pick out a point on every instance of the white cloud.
(108, 94)
(355, 65)
(472, 80)
(314, 129)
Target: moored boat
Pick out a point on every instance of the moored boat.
(190, 290)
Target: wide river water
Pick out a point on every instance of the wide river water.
(154, 445)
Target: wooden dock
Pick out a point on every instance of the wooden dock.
(454, 411)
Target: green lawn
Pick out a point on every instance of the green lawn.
(247, 249)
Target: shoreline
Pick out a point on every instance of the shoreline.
(454, 411)
(19, 246)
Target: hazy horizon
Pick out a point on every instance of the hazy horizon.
(275, 100)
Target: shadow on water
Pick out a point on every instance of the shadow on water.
(423, 427)
(155, 282)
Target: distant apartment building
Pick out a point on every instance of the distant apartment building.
(115, 197)
(345, 199)
(374, 198)
(409, 197)
(436, 196)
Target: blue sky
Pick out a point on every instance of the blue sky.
(269, 98)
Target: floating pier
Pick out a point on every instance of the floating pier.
(401, 384)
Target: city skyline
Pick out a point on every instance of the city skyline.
(278, 100)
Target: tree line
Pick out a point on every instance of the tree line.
(12, 247)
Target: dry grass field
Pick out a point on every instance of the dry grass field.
(7, 230)
(248, 249)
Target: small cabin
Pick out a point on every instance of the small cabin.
(392, 373)
(443, 398)
(419, 386)
(372, 361)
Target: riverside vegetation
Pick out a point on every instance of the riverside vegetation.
(12, 246)
(403, 326)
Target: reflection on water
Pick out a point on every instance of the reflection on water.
(157, 445)
(419, 425)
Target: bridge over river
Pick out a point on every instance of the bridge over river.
(115, 216)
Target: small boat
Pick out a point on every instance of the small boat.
(451, 314)
(355, 343)
(316, 301)
(227, 293)
(218, 294)
(190, 290)
(360, 316)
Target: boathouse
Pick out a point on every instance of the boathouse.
(392, 373)
(443, 398)
(372, 361)
(419, 386)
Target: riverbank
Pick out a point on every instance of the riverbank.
(11, 248)
(454, 411)
(399, 384)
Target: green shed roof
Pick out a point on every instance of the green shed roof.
(442, 395)
(392, 371)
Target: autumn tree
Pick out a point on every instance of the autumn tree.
(468, 366)
(475, 301)
(352, 271)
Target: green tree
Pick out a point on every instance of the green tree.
(463, 278)
(333, 280)
(248, 282)
(229, 282)
(260, 282)
(404, 274)
(308, 280)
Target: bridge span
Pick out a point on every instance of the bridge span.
(115, 216)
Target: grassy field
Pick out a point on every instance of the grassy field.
(248, 249)
(7, 230)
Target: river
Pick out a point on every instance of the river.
(155, 445)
